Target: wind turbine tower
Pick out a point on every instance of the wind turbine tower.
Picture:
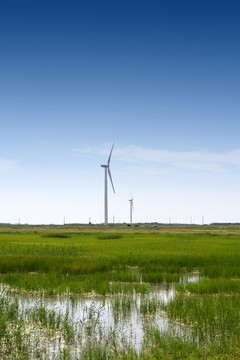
(131, 209)
(106, 174)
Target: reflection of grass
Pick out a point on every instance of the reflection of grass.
(209, 330)
(122, 306)
(149, 306)
(33, 332)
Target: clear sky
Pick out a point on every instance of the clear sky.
(161, 79)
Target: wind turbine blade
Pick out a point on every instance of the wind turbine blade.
(110, 154)
(132, 206)
(111, 179)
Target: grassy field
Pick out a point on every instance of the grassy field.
(118, 261)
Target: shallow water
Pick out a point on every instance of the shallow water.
(125, 315)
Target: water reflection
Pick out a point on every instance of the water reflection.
(126, 315)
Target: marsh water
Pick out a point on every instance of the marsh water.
(124, 315)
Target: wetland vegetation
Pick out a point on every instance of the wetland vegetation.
(118, 293)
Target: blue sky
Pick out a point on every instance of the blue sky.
(158, 78)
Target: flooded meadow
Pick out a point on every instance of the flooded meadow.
(67, 323)
(119, 296)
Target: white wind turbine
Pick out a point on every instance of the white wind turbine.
(107, 173)
(131, 209)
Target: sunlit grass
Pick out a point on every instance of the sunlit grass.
(119, 264)
(210, 319)
(212, 286)
(126, 257)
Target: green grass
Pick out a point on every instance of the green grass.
(212, 286)
(158, 258)
(211, 321)
(118, 261)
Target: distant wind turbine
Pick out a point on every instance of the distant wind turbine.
(131, 209)
(107, 173)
